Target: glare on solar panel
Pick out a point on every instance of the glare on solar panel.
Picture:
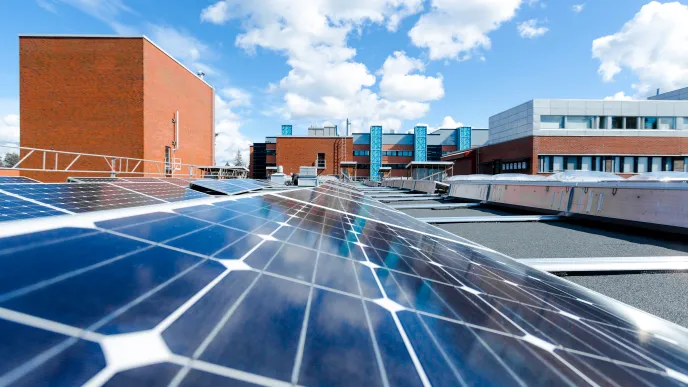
(271, 290)
(16, 179)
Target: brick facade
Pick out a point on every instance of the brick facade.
(295, 152)
(110, 96)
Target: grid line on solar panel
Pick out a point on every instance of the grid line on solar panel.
(443, 300)
(80, 197)
(13, 207)
(162, 191)
(16, 179)
(227, 187)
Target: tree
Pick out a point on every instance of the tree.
(227, 164)
(11, 159)
(238, 160)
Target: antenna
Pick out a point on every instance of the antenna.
(200, 74)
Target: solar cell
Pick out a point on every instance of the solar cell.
(81, 197)
(16, 179)
(163, 191)
(14, 208)
(270, 290)
(92, 179)
(226, 187)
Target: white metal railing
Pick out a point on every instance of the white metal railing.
(49, 160)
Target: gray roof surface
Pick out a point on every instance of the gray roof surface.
(662, 294)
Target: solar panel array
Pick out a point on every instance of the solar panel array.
(228, 186)
(278, 290)
(16, 179)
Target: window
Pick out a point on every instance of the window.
(557, 163)
(551, 122)
(665, 123)
(579, 122)
(617, 123)
(321, 160)
(631, 122)
(271, 152)
(361, 153)
(685, 122)
(641, 165)
(628, 164)
(545, 164)
(572, 163)
(650, 122)
(603, 122)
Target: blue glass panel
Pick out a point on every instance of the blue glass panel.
(158, 230)
(375, 152)
(207, 241)
(420, 143)
(465, 140)
(286, 130)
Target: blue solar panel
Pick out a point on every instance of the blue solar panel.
(227, 187)
(16, 179)
(14, 208)
(269, 290)
(163, 191)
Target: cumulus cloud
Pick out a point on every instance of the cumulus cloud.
(325, 80)
(9, 130)
(447, 123)
(228, 122)
(530, 30)
(183, 46)
(399, 83)
(577, 8)
(457, 29)
(651, 46)
(619, 96)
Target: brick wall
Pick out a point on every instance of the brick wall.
(81, 95)
(169, 87)
(521, 148)
(295, 152)
(611, 145)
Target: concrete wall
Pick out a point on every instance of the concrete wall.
(81, 95)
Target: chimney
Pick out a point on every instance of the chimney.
(657, 91)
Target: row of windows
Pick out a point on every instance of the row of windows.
(271, 152)
(612, 122)
(613, 164)
(361, 153)
(385, 153)
(518, 166)
(394, 166)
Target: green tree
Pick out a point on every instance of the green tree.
(11, 159)
(238, 160)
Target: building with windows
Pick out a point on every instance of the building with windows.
(552, 135)
(324, 148)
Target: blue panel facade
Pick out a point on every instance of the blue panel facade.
(464, 141)
(375, 152)
(420, 143)
(286, 130)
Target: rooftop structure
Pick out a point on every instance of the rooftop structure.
(396, 150)
(110, 95)
(551, 135)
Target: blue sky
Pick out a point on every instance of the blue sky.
(397, 63)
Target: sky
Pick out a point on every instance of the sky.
(395, 63)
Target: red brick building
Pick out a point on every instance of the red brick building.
(548, 136)
(117, 96)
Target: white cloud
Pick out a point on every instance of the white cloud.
(47, 5)
(398, 82)
(447, 123)
(651, 45)
(183, 47)
(228, 123)
(619, 96)
(9, 130)
(529, 29)
(577, 8)
(106, 11)
(457, 29)
(325, 80)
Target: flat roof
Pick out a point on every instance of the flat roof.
(96, 36)
(660, 293)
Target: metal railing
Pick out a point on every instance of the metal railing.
(50, 160)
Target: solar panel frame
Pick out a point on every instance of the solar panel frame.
(433, 310)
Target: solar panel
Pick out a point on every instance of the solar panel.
(163, 191)
(92, 179)
(226, 187)
(14, 208)
(16, 179)
(81, 197)
(269, 290)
